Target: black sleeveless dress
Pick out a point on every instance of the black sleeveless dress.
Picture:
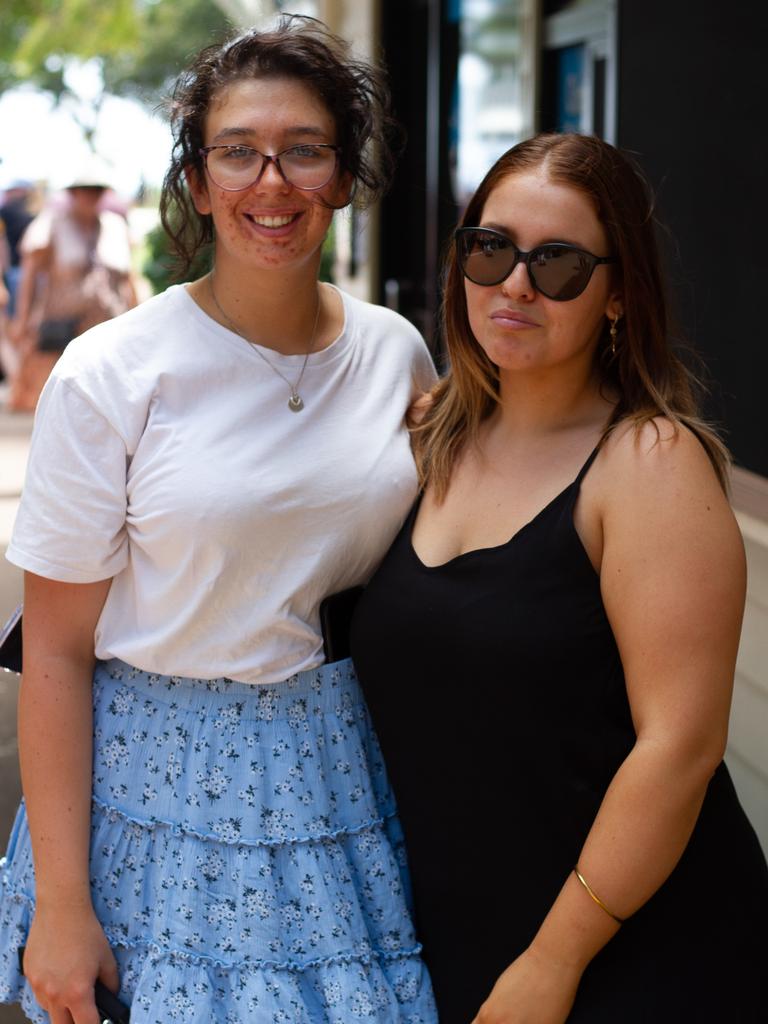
(498, 695)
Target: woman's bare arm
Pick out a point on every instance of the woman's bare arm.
(673, 579)
(32, 264)
(66, 949)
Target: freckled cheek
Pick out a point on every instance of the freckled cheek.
(225, 217)
(275, 256)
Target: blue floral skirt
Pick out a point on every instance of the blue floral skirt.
(246, 860)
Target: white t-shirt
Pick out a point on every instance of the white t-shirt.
(164, 455)
(71, 244)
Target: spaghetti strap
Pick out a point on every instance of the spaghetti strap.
(585, 468)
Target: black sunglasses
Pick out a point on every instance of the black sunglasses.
(557, 270)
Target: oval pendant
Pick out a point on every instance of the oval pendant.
(295, 403)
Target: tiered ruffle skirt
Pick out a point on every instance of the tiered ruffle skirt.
(246, 859)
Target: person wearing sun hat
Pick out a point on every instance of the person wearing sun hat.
(91, 173)
(76, 273)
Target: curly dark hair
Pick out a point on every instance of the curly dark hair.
(298, 47)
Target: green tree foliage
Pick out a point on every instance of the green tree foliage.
(160, 265)
(140, 44)
(173, 32)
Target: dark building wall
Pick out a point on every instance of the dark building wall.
(420, 46)
(402, 252)
(693, 107)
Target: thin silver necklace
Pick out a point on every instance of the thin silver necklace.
(295, 402)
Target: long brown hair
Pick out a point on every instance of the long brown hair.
(646, 373)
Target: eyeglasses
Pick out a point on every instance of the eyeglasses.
(235, 168)
(557, 270)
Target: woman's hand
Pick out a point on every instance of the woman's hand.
(532, 990)
(418, 409)
(66, 952)
(16, 331)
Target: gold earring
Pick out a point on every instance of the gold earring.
(614, 332)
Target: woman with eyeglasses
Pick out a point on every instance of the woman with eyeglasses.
(569, 587)
(209, 830)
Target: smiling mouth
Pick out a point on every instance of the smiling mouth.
(265, 221)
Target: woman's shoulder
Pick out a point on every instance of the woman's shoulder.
(147, 328)
(389, 345)
(641, 445)
(37, 234)
(657, 461)
(376, 318)
(117, 367)
(128, 352)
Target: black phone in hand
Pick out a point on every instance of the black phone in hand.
(336, 612)
(111, 1009)
(10, 642)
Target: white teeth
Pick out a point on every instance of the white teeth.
(272, 222)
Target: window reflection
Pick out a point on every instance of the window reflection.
(493, 86)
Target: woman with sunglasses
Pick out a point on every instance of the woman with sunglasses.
(207, 813)
(570, 587)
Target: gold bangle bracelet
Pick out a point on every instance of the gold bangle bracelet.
(596, 898)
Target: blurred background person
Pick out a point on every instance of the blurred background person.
(75, 273)
(15, 215)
